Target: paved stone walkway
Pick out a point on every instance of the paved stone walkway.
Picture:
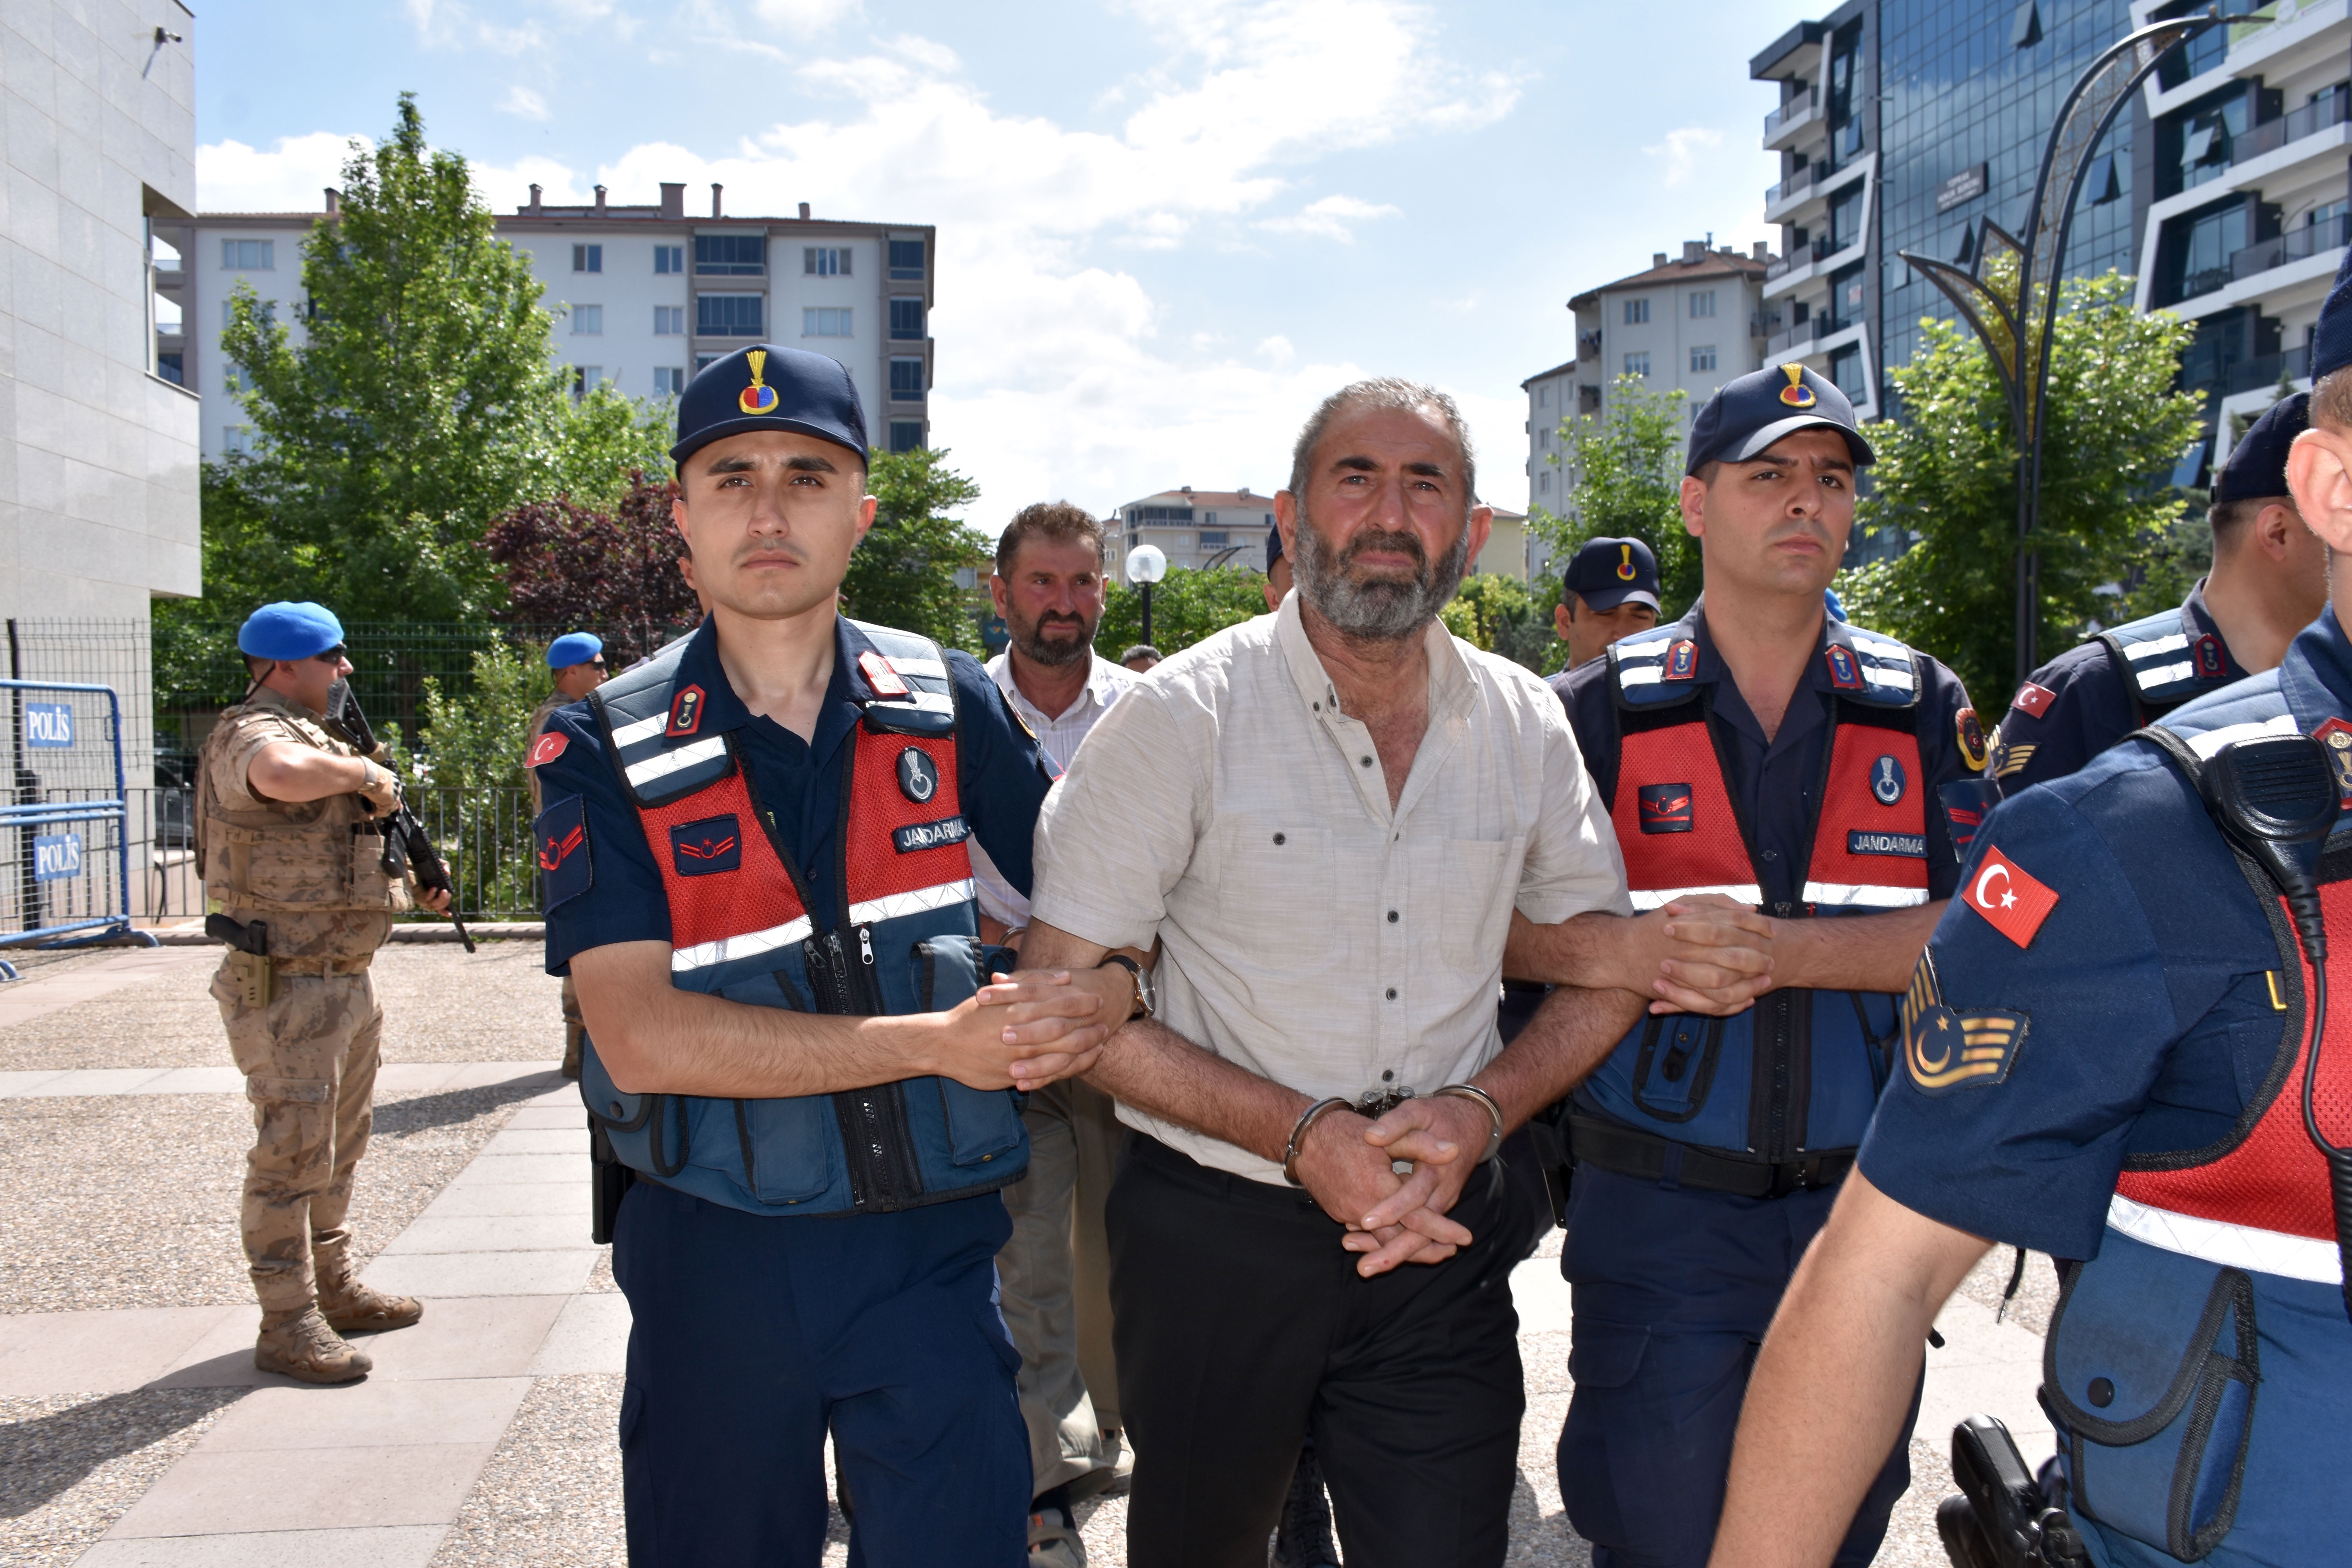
(485, 1435)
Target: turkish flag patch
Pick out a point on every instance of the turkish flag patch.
(2009, 897)
(2032, 700)
(547, 747)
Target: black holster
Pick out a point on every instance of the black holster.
(610, 1181)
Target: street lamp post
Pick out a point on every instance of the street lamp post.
(2010, 298)
(1146, 564)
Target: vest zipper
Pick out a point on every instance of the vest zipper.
(854, 1110)
(895, 1153)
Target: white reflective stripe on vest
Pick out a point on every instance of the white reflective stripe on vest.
(1863, 895)
(1644, 649)
(751, 944)
(628, 735)
(2156, 647)
(2232, 1246)
(1897, 675)
(937, 668)
(896, 905)
(1642, 675)
(667, 762)
(2212, 741)
(1659, 898)
(2164, 674)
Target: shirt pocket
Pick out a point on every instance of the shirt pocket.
(1478, 882)
(1273, 880)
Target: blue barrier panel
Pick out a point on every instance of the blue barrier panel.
(65, 869)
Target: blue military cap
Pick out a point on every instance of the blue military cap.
(770, 388)
(1606, 572)
(1750, 412)
(1273, 547)
(288, 630)
(574, 647)
(2331, 340)
(2257, 465)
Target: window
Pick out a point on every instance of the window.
(1845, 218)
(1543, 481)
(669, 320)
(731, 255)
(1847, 295)
(587, 321)
(704, 362)
(1637, 365)
(586, 378)
(1846, 369)
(2100, 183)
(1214, 539)
(1543, 397)
(669, 258)
(824, 323)
(236, 439)
(824, 261)
(1701, 359)
(1845, 125)
(1702, 306)
(906, 320)
(169, 366)
(906, 258)
(2193, 254)
(906, 435)
(728, 316)
(1636, 313)
(250, 254)
(905, 381)
(669, 380)
(2194, 145)
(587, 258)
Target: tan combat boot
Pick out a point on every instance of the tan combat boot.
(572, 1033)
(351, 1306)
(301, 1346)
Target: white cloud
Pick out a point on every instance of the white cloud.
(292, 176)
(1682, 149)
(520, 100)
(1055, 377)
(1330, 217)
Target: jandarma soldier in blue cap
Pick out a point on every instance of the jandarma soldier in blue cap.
(577, 659)
(282, 839)
(2109, 1054)
(753, 858)
(2268, 582)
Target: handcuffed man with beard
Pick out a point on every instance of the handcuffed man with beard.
(1334, 820)
(1056, 1271)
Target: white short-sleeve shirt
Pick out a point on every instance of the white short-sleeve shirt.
(1229, 809)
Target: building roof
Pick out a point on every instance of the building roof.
(1771, 57)
(1713, 264)
(1505, 514)
(1547, 375)
(1183, 497)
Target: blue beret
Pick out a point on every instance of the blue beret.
(2331, 340)
(1605, 573)
(574, 647)
(770, 388)
(1750, 412)
(289, 630)
(2257, 465)
(1273, 547)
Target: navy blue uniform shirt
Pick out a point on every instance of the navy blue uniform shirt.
(1775, 783)
(2146, 992)
(1003, 778)
(2091, 707)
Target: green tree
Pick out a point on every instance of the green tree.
(421, 401)
(1186, 605)
(903, 573)
(1502, 615)
(1622, 474)
(1947, 480)
(471, 790)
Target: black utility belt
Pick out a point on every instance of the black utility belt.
(1645, 1156)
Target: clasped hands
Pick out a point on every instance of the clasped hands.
(1699, 953)
(1033, 1027)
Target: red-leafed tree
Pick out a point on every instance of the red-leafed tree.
(570, 568)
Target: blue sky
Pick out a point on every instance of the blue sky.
(1166, 227)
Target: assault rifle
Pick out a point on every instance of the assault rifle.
(407, 848)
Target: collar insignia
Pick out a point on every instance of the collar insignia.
(685, 713)
(1845, 671)
(2210, 662)
(1682, 661)
(759, 397)
(1796, 395)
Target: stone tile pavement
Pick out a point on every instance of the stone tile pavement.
(142, 1436)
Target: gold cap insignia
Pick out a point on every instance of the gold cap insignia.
(759, 397)
(1796, 395)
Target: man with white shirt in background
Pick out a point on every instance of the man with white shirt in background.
(1048, 587)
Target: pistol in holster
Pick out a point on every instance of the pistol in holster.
(609, 1183)
(248, 958)
(2001, 1518)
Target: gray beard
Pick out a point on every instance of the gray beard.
(1379, 610)
(1033, 647)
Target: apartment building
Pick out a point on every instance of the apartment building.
(643, 297)
(1194, 529)
(2248, 170)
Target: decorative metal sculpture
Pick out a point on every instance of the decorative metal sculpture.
(2011, 297)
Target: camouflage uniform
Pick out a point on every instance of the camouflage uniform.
(574, 1028)
(303, 1025)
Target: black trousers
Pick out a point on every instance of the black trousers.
(1239, 1321)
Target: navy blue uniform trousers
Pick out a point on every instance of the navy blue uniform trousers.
(1674, 1289)
(753, 1336)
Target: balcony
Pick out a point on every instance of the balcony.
(1588, 345)
(1809, 255)
(1798, 339)
(2294, 245)
(1791, 117)
(1796, 184)
(2324, 114)
(2266, 369)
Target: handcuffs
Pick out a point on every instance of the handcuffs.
(1376, 1103)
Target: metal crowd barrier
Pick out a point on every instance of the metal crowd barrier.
(66, 823)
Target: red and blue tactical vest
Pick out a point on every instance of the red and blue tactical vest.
(1797, 1075)
(905, 940)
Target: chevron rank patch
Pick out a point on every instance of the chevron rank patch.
(1943, 1049)
(705, 847)
(561, 839)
